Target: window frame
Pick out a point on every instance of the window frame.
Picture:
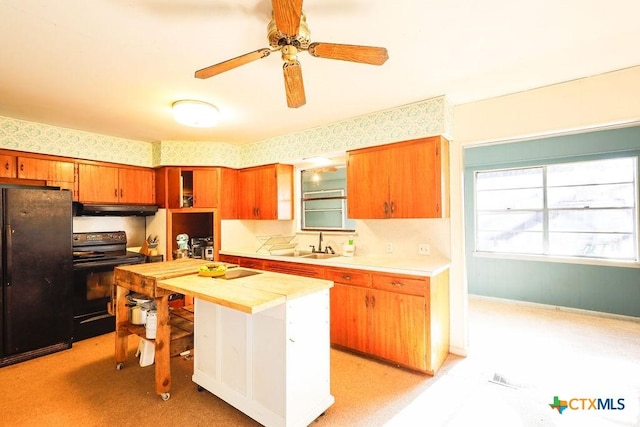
(546, 255)
(343, 203)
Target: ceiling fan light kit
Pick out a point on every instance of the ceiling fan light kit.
(194, 113)
(288, 32)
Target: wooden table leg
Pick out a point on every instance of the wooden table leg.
(162, 348)
(122, 317)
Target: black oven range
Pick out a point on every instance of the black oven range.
(95, 254)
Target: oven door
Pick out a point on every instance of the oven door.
(92, 288)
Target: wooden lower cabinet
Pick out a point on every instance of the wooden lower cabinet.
(349, 317)
(398, 318)
(398, 328)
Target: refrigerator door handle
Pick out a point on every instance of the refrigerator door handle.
(8, 233)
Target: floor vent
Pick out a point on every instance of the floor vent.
(501, 380)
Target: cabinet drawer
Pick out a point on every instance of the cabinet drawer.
(231, 259)
(295, 269)
(258, 264)
(402, 284)
(349, 277)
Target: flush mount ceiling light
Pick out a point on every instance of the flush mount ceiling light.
(195, 113)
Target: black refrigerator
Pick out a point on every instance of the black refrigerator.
(36, 313)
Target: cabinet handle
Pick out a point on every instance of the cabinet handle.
(373, 301)
(398, 284)
(6, 165)
(366, 300)
(121, 193)
(115, 192)
(346, 277)
(386, 209)
(393, 207)
(21, 167)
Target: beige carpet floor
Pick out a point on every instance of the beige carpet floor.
(520, 357)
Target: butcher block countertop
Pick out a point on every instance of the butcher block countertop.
(249, 294)
(143, 278)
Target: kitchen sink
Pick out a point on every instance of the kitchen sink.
(320, 256)
(237, 273)
(310, 255)
(297, 254)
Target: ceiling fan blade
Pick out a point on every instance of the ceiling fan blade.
(230, 64)
(293, 84)
(287, 14)
(346, 52)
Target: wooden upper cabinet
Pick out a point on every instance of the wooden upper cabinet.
(45, 170)
(402, 180)
(7, 166)
(205, 187)
(266, 192)
(136, 186)
(98, 184)
(228, 205)
(110, 184)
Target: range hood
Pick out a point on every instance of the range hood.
(101, 209)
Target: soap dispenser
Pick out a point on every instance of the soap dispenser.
(348, 249)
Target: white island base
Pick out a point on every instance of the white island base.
(273, 365)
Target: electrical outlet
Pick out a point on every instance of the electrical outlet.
(424, 249)
(389, 247)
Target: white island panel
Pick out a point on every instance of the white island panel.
(273, 365)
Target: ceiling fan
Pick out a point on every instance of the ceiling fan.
(288, 32)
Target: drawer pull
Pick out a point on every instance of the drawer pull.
(6, 165)
(346, 277)
(397, 284)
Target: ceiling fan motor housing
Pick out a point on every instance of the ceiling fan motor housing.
(300, 41)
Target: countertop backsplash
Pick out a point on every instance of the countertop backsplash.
(371, 236)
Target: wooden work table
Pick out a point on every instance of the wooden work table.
(256, 297)
(143, 279)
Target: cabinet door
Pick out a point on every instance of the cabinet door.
(398, 328)
(414, 179)
(349, 316)
(367, 184)
(7, 166)
(247, 187)
(136, 186)
(47, 170)
(205, 188)
(98, 184)
(266, 192)
(228, 205)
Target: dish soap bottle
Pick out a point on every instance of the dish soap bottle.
(349, 248)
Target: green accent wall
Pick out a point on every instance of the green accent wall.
(610, 289)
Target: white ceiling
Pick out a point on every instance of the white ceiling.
(114, 67)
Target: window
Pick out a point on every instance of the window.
(581, 209)
(324, 199)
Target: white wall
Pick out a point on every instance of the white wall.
(611, 99)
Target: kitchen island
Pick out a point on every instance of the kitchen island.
(261, 340)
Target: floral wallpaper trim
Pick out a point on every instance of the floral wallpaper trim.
(425, 118)
(40, 138)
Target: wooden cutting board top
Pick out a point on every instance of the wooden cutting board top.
(250, 294)
(143, 278)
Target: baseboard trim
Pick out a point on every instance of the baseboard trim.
(558, 308)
